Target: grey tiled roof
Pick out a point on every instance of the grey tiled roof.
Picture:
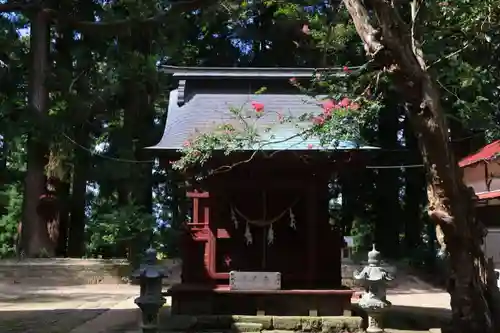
(204, 111)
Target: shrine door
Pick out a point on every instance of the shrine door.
(262, 229)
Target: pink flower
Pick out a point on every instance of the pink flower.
(305, 29)
(187, 143)
(346, 69)
(319, 120)
(327, 106)
(293, 80)
(345, 102)
(310, 146)
(258, 107)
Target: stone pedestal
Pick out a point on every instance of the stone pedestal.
(374, 324)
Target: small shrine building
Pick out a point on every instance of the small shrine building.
(482, 172)
(259, 240)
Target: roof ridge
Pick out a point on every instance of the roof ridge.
(481, 154)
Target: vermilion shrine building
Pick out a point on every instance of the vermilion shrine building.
(259, 239)
(482, 173)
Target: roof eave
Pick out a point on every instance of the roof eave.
(478, 161)
(177, 149)
(250, 72)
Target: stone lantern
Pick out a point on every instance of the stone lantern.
(150, 300)
(374, 279)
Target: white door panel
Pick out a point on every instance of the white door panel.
(492, 245)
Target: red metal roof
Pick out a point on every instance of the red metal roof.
(488, 195)
(486, 153)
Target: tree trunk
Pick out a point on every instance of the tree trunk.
(35, 238)
(58, 175)
(387, 189)
(474, 298)
(72, 210)
(62, 193)
(414, 197)
(76, 237)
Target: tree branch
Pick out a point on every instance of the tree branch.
(123, 26)
(109, 28)
(368, 33)
(16, 6)
(415, 7)
(452, 54)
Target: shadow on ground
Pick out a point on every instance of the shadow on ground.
(416, 318)
(412, 318)
(397, 319)
(54, 298)
(62, 320)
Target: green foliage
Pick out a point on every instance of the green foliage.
(362, 232)
(112, 227)
(11, 199)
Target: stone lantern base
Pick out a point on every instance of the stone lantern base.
(374, 322)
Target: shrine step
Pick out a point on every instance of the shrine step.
(433, 330)
(267, 324)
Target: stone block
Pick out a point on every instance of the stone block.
(311, 324)
(264, 324)
(246, 327)
(288, 323)
(265, 321)
(342, 324)
(208, 322)
(353, 323)
(225, 321)
(179, 323)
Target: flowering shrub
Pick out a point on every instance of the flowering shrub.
(339, 118)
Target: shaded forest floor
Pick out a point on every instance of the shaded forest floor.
(42, 309)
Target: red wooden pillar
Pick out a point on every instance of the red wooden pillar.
(201, 216)
(198, 228)
(202, 231)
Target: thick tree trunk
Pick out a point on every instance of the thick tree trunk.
(35, 238)
(62, 193)
(388, 206)
(79, 107)
(414, 198)
(76, 233)
(76, 237)
(474, 298)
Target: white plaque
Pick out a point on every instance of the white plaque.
(254, 280)
(349, 240)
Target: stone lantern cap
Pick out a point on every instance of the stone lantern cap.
(150, 268)
(373, 271)
(373, 256)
